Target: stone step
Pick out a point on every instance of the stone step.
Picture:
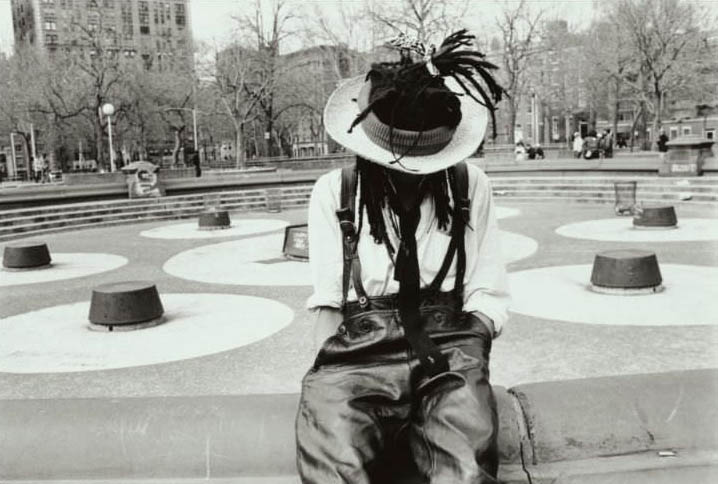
(59, 215)
(667, 182)
(640, 194)
(124, 217)
(127, 203)
(145, 203)
(605, 187)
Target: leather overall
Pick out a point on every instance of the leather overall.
(373, 411)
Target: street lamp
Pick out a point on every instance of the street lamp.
(108, 110)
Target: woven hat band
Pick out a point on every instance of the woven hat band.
(402, 142)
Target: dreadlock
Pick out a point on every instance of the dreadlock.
(376, 193)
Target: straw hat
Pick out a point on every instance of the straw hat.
(435, 149)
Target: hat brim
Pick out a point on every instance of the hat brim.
(341, 110)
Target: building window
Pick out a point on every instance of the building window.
(711, 134)
(156, 13)
(673, 132)
(127, 23)
(108, 3)
(93, 21)
(180, 16)
(686, 131)
(50, 25)
(144, 11)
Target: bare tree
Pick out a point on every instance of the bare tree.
(18, 92)
(519, 33)
(239, 90)
(269, 32)
(667, 37)
(427, 20)
(612, 68)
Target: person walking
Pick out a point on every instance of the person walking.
(577, 144)
(662, 143)
(37, 164)
(410, 286)
(607, 140)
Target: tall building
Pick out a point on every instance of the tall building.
(149, 28)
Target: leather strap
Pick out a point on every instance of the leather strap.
(459, 179)
(350, 237)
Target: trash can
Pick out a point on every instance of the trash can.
(625, 197)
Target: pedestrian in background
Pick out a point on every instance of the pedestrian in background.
(577, 144)
(37, 164)
(662, 143)
(520, 151)
(607, 143)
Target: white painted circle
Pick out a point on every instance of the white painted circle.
(57, 339)
(506, 212)
(516, 246)
(237, 228)
(622, 230)
(67, 265)
(561, 293)
(258, 261)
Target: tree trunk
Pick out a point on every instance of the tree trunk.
(178, 144)
(616, 107)
(656, 119)
(99, 138)
(512, 122)
(239, 147)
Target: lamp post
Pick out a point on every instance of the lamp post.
(108, 110)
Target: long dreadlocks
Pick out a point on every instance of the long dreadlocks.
(376, 194)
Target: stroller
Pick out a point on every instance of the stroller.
(590, 148)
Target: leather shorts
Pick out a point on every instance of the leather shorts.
(368, 414)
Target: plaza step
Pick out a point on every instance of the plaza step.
(17, 223)
(33, 221)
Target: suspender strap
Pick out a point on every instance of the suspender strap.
(459, 177)
(435, 285)
(350, 237)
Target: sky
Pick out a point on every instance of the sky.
(212, 19)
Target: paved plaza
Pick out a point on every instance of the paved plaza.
(236, 322)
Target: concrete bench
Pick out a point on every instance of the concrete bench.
(641, 428)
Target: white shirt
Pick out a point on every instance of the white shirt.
(486, 287)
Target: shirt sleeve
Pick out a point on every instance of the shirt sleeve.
(325, 242)
(486, 284)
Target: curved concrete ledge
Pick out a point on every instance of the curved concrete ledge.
(592, 430)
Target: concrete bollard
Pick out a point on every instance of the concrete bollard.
(125, 306)
(662, 217)
(26, 256)
(625, 272)
(214, 220)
